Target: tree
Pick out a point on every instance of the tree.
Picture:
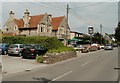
(117, 32)
(97, 34)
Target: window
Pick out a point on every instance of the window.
(41, 29)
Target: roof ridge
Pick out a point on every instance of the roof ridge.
(58, 17)
(38, 15)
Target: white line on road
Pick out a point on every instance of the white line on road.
(85, 63)
(61, 76)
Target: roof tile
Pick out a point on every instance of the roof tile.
(56, 22)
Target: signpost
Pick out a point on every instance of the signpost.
(90, 31)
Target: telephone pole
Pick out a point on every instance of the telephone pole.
(101, 32)
(68, 8)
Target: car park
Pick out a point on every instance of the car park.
(108, 47)
(4, 48)
(15, 49)
(33, 50)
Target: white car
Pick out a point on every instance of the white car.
(102, 47)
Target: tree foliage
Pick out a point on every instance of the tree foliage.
(117, 32)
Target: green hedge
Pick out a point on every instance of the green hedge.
(49, 42)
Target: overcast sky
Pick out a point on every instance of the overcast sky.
(81, 14)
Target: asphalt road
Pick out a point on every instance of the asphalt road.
(94, 66)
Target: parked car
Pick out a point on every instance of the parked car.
(102, 46)
(15, 49)
(33, 50)
(97, 46)
(108, 47)
(85, 49)
(115, 45)
(4, 48)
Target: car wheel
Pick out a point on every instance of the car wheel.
(23, 57)
(20, 54)
(5, 52)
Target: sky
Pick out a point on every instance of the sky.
(81, 14)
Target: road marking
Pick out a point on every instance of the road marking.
(85, 63)
(61, 76)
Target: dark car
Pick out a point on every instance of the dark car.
(33, 50)
(4, 48)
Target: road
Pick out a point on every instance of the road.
(93, 66)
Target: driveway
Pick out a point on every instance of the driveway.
(12, 64)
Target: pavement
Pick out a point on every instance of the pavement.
(12, 64)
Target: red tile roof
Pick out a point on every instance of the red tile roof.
(56, 21)
(34, 21)
(19, 22)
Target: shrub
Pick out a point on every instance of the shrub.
(49, 42)
(61, 49)
(40, 59)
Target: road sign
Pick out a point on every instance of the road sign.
(90, 30)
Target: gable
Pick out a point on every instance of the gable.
(56, 21)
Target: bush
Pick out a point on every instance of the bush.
(40, 59)
(61, 49)
(52, 43)
(49, 42)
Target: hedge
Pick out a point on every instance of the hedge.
(50, 42)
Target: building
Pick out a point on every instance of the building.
(29, 25)
(41, 25)
(60, 29)
(75, 34)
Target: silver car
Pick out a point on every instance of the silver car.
(108, 47)
(15, 49)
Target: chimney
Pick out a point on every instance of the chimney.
(26, 18)
(11, 14)
(50, 17)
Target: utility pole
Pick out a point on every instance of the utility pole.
(101, 32)
(68, 8)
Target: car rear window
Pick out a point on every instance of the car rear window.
(14, 46)
(39, 47)
(21, 46)
(28, 46)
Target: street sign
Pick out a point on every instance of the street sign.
(90, 30)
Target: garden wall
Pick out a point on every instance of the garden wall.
(50, 58)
